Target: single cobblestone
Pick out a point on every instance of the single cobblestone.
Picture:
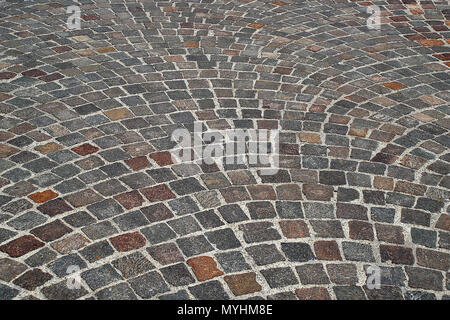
(87, 177)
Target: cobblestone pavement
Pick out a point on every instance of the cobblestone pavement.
(86, 178)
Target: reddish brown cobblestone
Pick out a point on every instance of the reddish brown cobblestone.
(85, 149)
(51, 231)
(128, 241)
(204, 268)
(241, 284)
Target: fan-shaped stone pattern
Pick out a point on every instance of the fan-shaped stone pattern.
(87, 180)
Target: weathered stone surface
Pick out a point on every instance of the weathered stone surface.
(128, 241)
(32, 279)
(244, 283)
(71, 243)
(20, 246)
(51, 231)
(9, 269)
(204, 268)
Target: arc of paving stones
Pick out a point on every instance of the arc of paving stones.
(87, 180)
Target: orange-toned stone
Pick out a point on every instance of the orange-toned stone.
(278, 3)
(71, 243)
(394, 85)
(310, 137)
(293, 229)
(423, 117)
(359, 113)
(204, 268)
(4, 96)
(44, 196)
(256, 25)
(358, 132)
(106, 50)
(81, 38)
(191, 44)
(244, 283)
(383, 183)
(48, 148)
(432, 42)
(85, 149)
(169, 9)
(432, 100)
(117, 114)
(412, 162)
(314, 293)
